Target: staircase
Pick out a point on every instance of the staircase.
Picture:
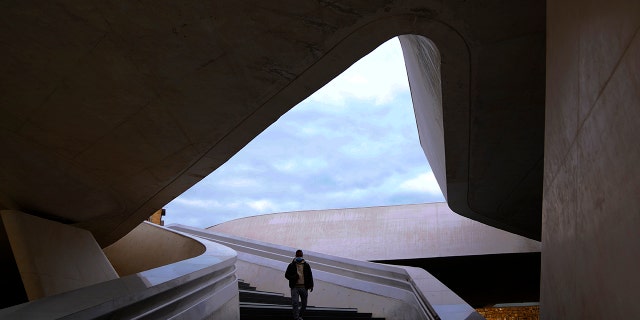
(260, 305)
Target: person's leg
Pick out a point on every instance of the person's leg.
(303, 296)
(294, 303)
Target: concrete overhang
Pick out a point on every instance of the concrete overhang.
(111, 110)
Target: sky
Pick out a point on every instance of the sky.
(353, 143)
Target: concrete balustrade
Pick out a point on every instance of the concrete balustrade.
(197, 283)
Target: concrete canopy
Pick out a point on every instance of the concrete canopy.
(111, 110)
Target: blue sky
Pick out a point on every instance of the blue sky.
(353, 143)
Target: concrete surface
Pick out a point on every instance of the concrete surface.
(145, 248)
(385, 290)
(108, 111)
(111, 110)
(591, 211)
(200, 287)
(380, 233)
(427, 236)
(52, 257)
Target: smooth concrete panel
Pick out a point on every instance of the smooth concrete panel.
(230, 310)
(53, 257)
(380, 233)
(591, 211)
(559, 242)
(147, 247)
(606, 30)
(422, 61)
(561, 124)
(608, 216)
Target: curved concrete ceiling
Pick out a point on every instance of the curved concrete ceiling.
(111, 110)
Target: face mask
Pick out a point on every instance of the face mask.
(298, 259)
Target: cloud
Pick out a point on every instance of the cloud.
(425, 182)
(196, 203)
(262, 205)
(300, 164)
(240, 182)
(378, 78)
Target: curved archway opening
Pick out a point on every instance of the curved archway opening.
(353, 143)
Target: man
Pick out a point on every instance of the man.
(300, 280)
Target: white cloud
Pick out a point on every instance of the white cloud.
(288, 165)
(299, 164)
(362, 149)
(263, 205)
(196, 203)
(377, 77)
(239, 182)
(425, 182)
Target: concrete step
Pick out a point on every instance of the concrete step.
(260, 305)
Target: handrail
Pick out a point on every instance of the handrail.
(367, 271)
(423, 300)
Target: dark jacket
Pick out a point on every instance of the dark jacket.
(292, 274)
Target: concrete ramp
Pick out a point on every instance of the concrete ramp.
(387, 291)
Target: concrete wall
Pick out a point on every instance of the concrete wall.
(53, 257)
(380, 233)
(422, 60)
(146, 248)
(591, 208)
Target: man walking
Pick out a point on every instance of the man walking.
(300, 280)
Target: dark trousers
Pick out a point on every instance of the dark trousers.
(299, 306)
